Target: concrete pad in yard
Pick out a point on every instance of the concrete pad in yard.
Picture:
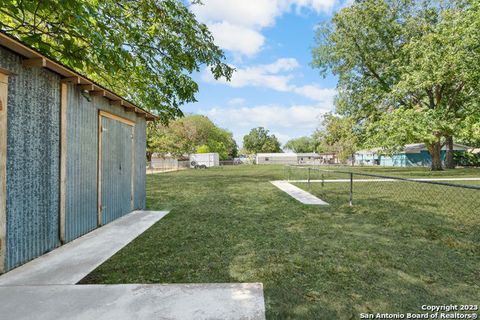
(70, 263)
(133, 301)
(297, 193)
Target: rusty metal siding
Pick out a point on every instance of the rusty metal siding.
(116, 169)
(140, 164)
(81, 179)
(33, 150)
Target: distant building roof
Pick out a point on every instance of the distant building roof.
(308, 154)
(278, 154)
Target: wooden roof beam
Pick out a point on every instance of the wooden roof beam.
(140, 112)
(117, 103)
(87, 87)
(101, 93)
(74, 80)
(35, 62)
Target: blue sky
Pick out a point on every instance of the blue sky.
(269, 42)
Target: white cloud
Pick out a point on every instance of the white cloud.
(237, 38)
(274, 76)
(316, 93)
(248, 13)
(237, 24)
(285, 122)
(268, 116)
(236, 101)
(316, 5)
(266, 75)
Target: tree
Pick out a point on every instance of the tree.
(192, 133)
(259, 140)
(404, 54)
(203, 149)
(338, 135)
(469, 133)
(144, 50)
(299, 145)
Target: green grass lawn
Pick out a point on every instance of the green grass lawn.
(315, 262)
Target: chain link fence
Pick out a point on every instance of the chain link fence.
(357, 189)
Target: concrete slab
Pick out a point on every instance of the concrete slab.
(70, 263)
(297, 193)
(134, 301)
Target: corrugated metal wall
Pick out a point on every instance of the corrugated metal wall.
(140, 137)
(33, 148)
(117, 161)
(33, 155)
(82, 146)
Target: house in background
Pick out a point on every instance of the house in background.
(310, 158)
(276, 158)
(328, 158)
(72, 154)
(413, 155)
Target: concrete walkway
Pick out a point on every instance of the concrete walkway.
(45, 288)
(70, 263)
(134, 301)
(297, 193)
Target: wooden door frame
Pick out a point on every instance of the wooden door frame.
(105, 114)
(63, 158)
(3, 166)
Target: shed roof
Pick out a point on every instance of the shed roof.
(33, 57)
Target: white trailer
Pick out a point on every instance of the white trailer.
(204, 160)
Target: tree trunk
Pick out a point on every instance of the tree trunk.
(149, 159)
(449, 164)
(434, 150)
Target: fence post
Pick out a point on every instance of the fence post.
(351, 189)
(309, 177)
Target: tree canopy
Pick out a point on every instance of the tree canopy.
(393, 56)
(260, 140)
(300, 145)
(190, 134)
(338, 135)
(144, 50)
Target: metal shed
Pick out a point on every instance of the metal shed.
(72, 154)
